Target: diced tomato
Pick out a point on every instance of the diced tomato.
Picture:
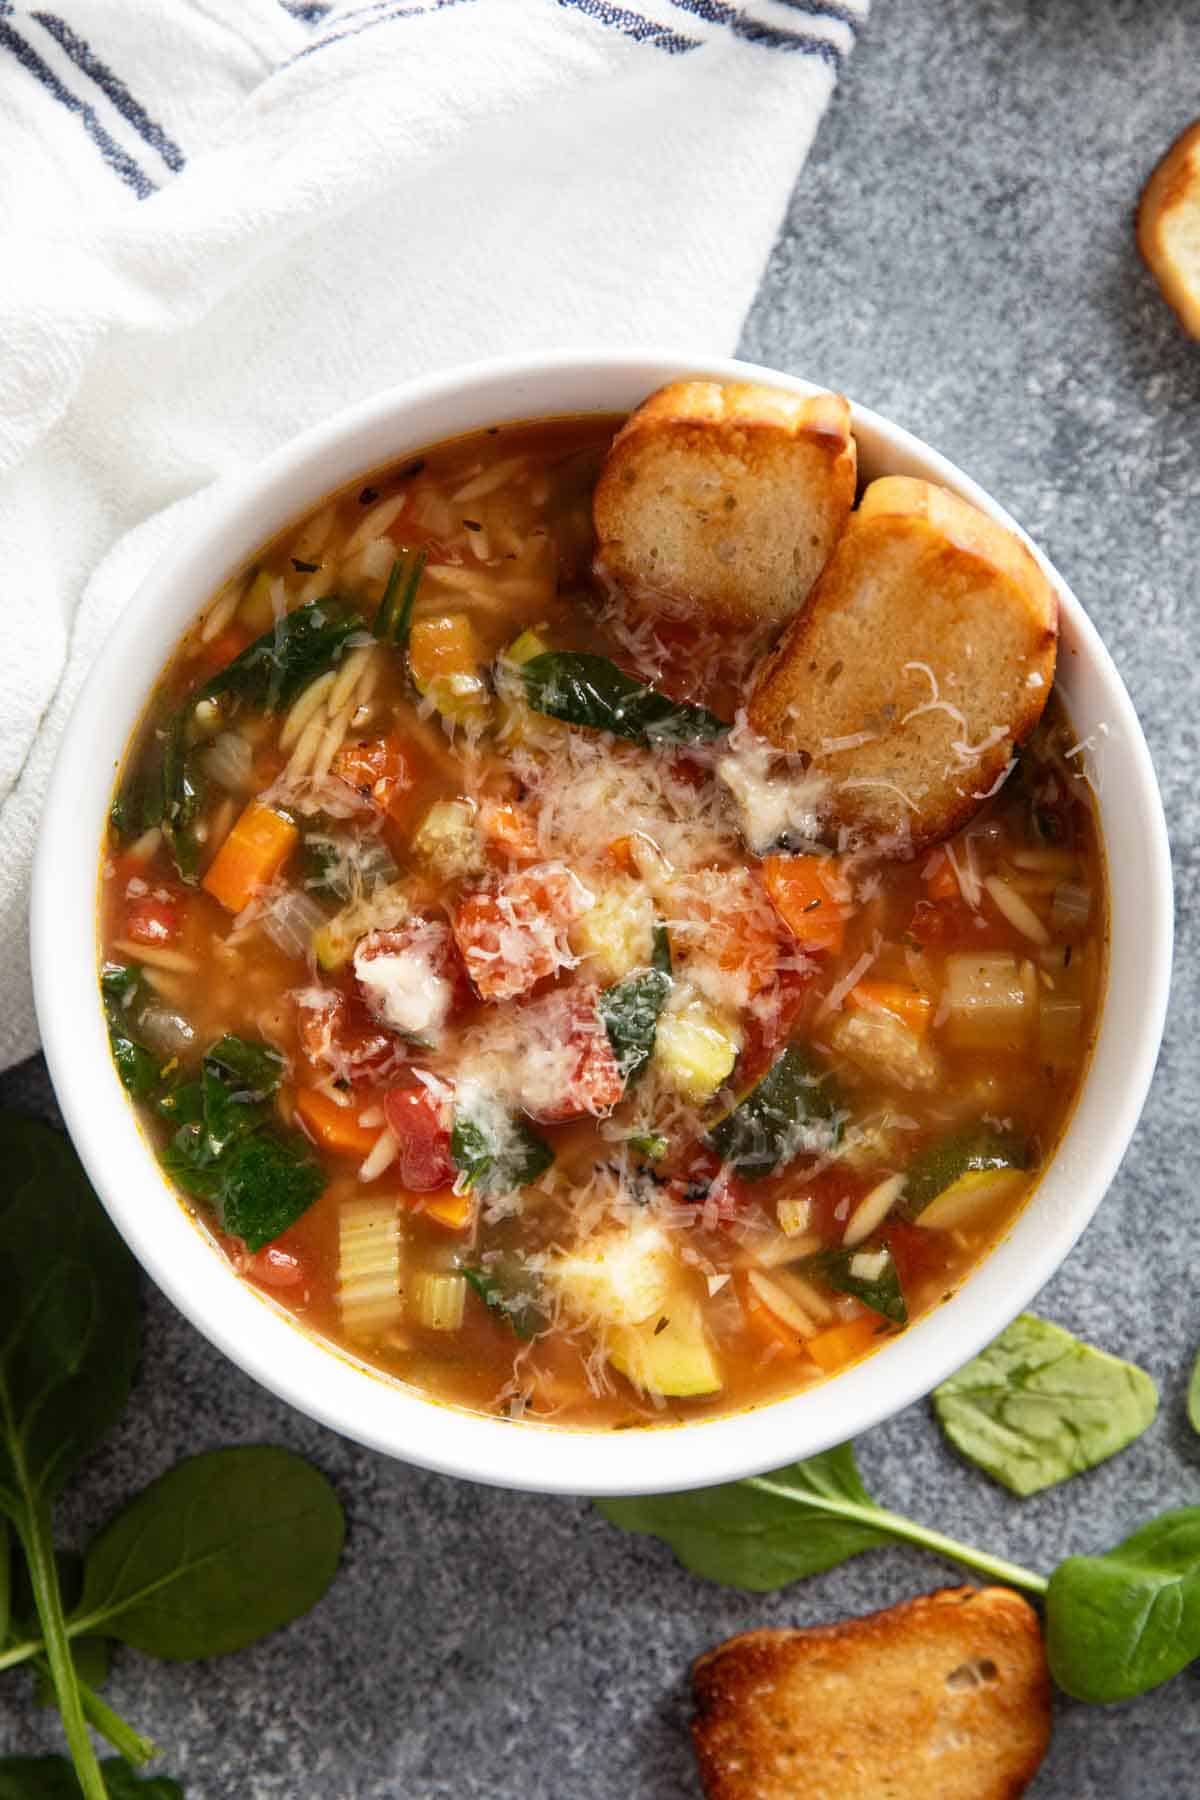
(688, 770)
(153, 918)
(382, 770)
(426, 945)
(769, 1023)
(568, 1069)
(514, 934)
(418, 1120)
(275, 1268)
(337, 1033)
(220, 652)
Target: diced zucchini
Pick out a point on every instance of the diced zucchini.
(620, 1278)
(958, 1176)
(255, 609)
(523, 649)
(368, 1275)
(791, 1112)
(695, 1050)
(448, 840)
(437, 1301)
(669, 1353)
(970, 1197)
(991, 1003)
(616, 935)
(333, 944)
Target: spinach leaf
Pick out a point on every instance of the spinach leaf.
(277, 666)
(123, 986)
(69, 1324)
(137, 1067)
(183, 1103)
(504, 1289)
(182, 796)
(250, 1070)
(53, 1778)
(630, 1013)
(216, 1553)
(762, 1533)
(495, 1152)
(266, 1183)
(1121, 1623)
(660, 954)
(188, 1161)
(393, 621)
(791, 1112)
(1038, 1406)
(870, 1275)
(1193, 1397)
(593, 692)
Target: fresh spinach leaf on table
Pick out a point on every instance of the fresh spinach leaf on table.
(1039, 1405)
(1193, 1396)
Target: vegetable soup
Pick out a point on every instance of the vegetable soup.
(498, 1001)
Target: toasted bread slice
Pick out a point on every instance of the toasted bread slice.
(719, 502)
(1168, 227)
(945, 1695)
(922, 660)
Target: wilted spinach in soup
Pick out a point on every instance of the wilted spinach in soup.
(446, 985)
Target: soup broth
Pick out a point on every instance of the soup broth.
(475, 1032)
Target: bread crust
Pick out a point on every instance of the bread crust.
(1170, 200)
(947, 1694)
(922, 661)
(680, 509)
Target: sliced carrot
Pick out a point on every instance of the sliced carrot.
(801, 893)
(442, 645)
(251, 856)
(841, 1344)
(911, 1004)
(452, 1210)
(332, 1126)
(942, 883)
(510, 833)
(762, 1321)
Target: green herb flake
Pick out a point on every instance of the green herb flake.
(1038, 1406)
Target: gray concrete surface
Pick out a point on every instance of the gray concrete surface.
(958, 253)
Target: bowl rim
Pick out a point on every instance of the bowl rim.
(329, 1384)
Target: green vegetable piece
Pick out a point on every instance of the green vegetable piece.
(1038, 1406)
(90, 1655)
(393, 621)
(1120, 1624)
(221, 1550)
(660, 954)
(123, 986)
(593, 692)
(652, 1146)
(966, 1153)
(762, 1533)
(792, 1112)
(265, 1184)
(496, 1155)
(630, 1013)
(189, 1162)
(69, 1324)
(252, 1071)
(182, 797)
(279, 665)
(137, 1066)
(504, 1290)
(183, 1104)
(879, 1289)
(1193, 1397)
(53, 1778)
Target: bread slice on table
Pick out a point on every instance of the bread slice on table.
(921, 662)
(719, 502)
(946, 1697)
(1168, 227)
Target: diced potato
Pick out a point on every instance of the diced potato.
(617, 935)
(695, 1051)
(884, 1046)
(448, 840)
(992, 1006)
(673, 1358)
(620, 1278)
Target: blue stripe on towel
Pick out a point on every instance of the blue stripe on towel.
(84, 58)
(118, 161)
(634, 25)
(754, 31)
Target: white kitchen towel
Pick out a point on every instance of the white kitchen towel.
(221, 220)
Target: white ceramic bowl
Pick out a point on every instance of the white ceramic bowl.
(332, 1386)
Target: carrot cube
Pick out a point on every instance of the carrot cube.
(841, 1344)
(251, 856)
(802, 894)
(332, 1126)
(912, 1005)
